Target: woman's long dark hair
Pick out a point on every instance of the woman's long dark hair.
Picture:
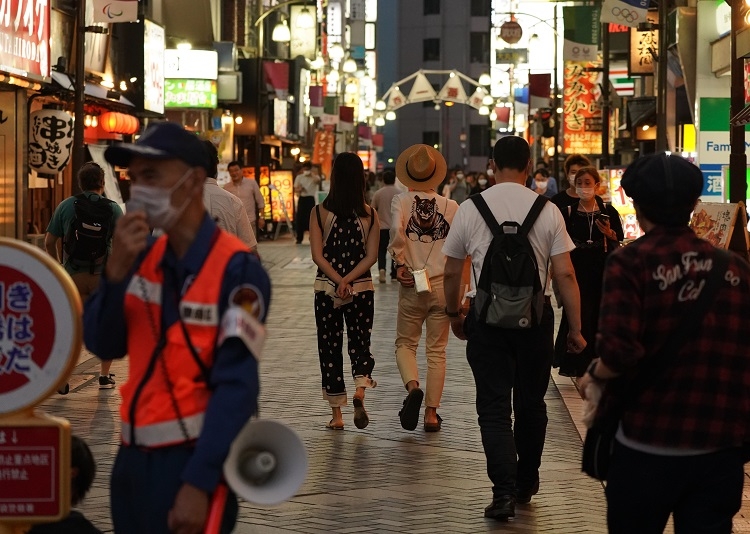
(347, 192)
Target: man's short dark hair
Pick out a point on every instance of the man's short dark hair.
(307, 165)
(83, 462)
(389, 177)
(234, 163)
(543, 171)
(213, 159)
(575, 159)
(90, 177)
(511, 152)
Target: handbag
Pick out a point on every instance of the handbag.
(622, 391)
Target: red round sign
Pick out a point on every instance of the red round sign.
(511, 32)
(40, 325)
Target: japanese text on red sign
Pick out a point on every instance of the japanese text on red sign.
(16, 334)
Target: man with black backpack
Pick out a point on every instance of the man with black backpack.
(84, 224)
(511, 234)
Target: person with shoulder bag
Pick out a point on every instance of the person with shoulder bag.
(670, 392)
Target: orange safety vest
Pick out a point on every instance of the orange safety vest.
(146, 399)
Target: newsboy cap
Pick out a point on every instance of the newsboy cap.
(664, 186)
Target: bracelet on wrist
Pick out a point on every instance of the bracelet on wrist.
(452, 315)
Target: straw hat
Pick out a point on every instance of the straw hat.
(421, 167)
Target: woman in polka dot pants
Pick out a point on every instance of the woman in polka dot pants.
(344, 235)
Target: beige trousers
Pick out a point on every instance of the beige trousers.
(414, 311)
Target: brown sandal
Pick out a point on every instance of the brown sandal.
(361, 419)
(331, 426)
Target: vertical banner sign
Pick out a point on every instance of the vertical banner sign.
(582, 29)
(153, 67)
(24, 38)
(50, 141)
(643, 48)
(115, 10)
(623, 204)
(278, 186)
(713, 147)
(325, 140)
(582, 124)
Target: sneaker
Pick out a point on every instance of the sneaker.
(106, 382)
(381, 276)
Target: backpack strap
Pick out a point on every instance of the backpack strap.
(534, 212)
(486, 213)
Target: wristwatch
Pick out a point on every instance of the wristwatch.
(452, 315)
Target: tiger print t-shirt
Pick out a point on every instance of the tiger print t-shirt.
(420, 222)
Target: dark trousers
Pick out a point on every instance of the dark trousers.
(144, 484)
(305, 206)
(703, 492)
(511, 366)
(358, 315)
(383, 252)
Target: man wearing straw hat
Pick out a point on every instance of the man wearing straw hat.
(420, 221)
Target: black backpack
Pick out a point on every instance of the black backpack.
(509, 293)
(88, 236)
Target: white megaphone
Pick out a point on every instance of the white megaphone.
(267, 462)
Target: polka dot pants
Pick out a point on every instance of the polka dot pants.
(358, 315)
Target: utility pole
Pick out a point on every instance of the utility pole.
(79, 87)
(662, 143)
(605, 94)
(737, 157)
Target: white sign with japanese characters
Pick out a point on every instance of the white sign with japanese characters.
(40, 325)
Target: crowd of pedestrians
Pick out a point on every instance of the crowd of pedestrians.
(179, 288)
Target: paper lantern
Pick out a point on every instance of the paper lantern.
(113, 122)
(50, 140)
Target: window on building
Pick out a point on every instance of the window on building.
(431, 7)
(479, 47)
(479, 140)
(480, 8)
(431, 49)
(432, 139)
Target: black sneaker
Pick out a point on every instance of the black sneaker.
(502, 508)
(106, 382)
(523, 496)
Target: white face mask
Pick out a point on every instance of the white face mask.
(307, 173)
(585, 193)
(157, 202)
(572, 177)
(460, 176)
(490, 172)
(541, 184)
(482, 181)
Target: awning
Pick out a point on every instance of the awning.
(92, 90)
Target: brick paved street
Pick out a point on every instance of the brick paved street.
(381, 479)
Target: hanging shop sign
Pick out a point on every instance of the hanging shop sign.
(511, 32)
(24, 39)
(644, 48)
(110, 11)
(582, 124)
(190, 94)
(50, 140)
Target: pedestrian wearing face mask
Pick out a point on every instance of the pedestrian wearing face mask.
(462, 188)
(306, 185)
(187, 308)
(482, 183)
(543, 184)
(569, 197)
(596, 231)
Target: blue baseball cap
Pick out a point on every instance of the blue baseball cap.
(163, 140)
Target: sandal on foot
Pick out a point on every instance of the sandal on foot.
(332, 426)
(361, 419)
(434, 427)
(409, 414)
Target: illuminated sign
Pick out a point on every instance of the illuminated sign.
(24, 39)
(190, 94)
(191, 64)
(153, 67)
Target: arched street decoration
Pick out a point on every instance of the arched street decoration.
(422, 91)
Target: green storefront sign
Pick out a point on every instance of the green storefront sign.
(180, 93)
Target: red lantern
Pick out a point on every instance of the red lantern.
(109, 122)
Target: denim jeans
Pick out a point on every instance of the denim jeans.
(703, 492)
(383, 256)
(511, 366)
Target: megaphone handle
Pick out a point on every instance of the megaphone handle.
(216, 513)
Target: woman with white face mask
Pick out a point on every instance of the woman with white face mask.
(596, 230)
(568, 197)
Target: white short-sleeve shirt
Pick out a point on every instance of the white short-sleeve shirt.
(470, 235)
